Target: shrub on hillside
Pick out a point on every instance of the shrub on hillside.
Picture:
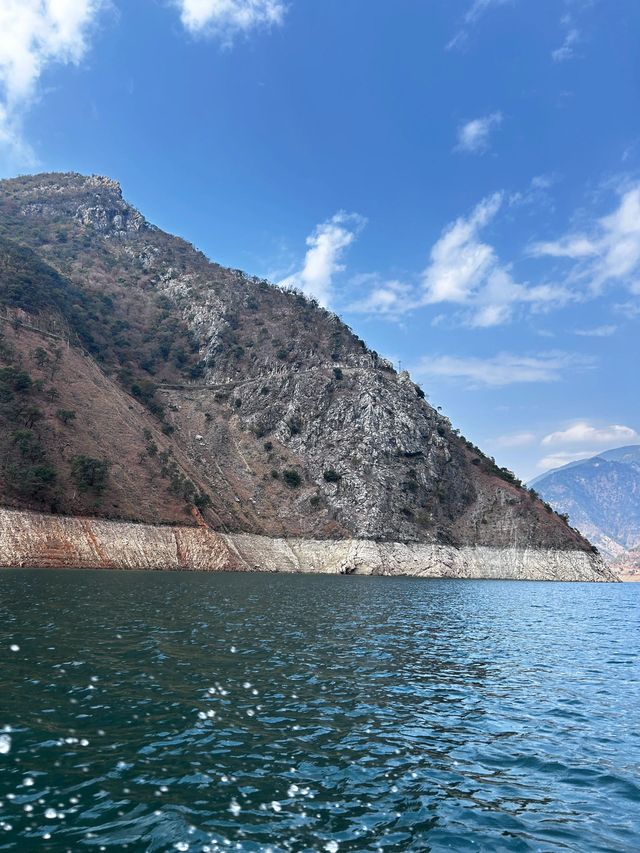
(291, 478)
(90, 475)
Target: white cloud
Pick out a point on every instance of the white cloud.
(515, 439)
(536, 193)
(459, 262)
(584, 433)
(608, 251)
(479, 7)
(597, 332)
(473, 137)
(557, 460)
(387, 298)
(465, 270)
(502, 369)
(630, 310)
(573, 247)
(226, 18)
(327, 244)
(475, 11)
(567, 48)
(33, 35)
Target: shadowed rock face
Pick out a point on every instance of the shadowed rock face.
(261, 400)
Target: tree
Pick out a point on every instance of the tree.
(41, 357)
(331, 476)
(66, 416)
(30, 415)
(90, 474)
(33, 481)
(28, 445)
(291, 478)
(55, 364)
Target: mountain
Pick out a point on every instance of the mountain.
(142, 385)
(627, 565)
(601, 496)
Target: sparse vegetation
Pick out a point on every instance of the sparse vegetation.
(128, 304)
(89, 474)
(292, 478)
(66, 416)
(295, 425)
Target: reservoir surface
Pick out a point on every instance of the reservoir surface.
(252, 712)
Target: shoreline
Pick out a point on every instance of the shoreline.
(37, 540)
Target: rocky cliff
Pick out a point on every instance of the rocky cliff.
(29, 539)
(141, 382)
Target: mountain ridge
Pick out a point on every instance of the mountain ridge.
(250, 409)
(601, 495)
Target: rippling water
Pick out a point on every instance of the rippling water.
(153, 712)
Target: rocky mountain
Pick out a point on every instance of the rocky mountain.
(140, 382)
(601, 496)
(627, 565)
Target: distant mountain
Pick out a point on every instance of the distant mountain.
(627, 565)
(601, 496)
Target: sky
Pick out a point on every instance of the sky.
(458, 179)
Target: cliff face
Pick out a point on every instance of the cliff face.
(199, 386)
(30, 539)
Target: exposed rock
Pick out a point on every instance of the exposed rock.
(199, 384)
(33, 539)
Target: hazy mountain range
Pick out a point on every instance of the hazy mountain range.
(601, 496)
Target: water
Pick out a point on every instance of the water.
(162, 712)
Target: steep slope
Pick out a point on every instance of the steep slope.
(627, 565)
(253, 404)
(601, 496)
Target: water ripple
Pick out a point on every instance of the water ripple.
(163, 712)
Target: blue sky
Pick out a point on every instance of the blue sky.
(460, 181)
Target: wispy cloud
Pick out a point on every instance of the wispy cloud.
(389, 298)
(629, 310)
(557, 460)
(473, 136)
(473, 14)
(571, 39)
(502, 369)
(326, 246)
(466, 273)
(608, 251)
(536, 194)
(515, 439)
(465, 269)
(459, 261)
(225, 19)
(35, 34)
(583, 432)
(597, 332)
(581, 438)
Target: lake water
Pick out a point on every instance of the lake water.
(162, 712)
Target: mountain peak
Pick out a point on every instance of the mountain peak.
(276, 419)
(600, 496)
